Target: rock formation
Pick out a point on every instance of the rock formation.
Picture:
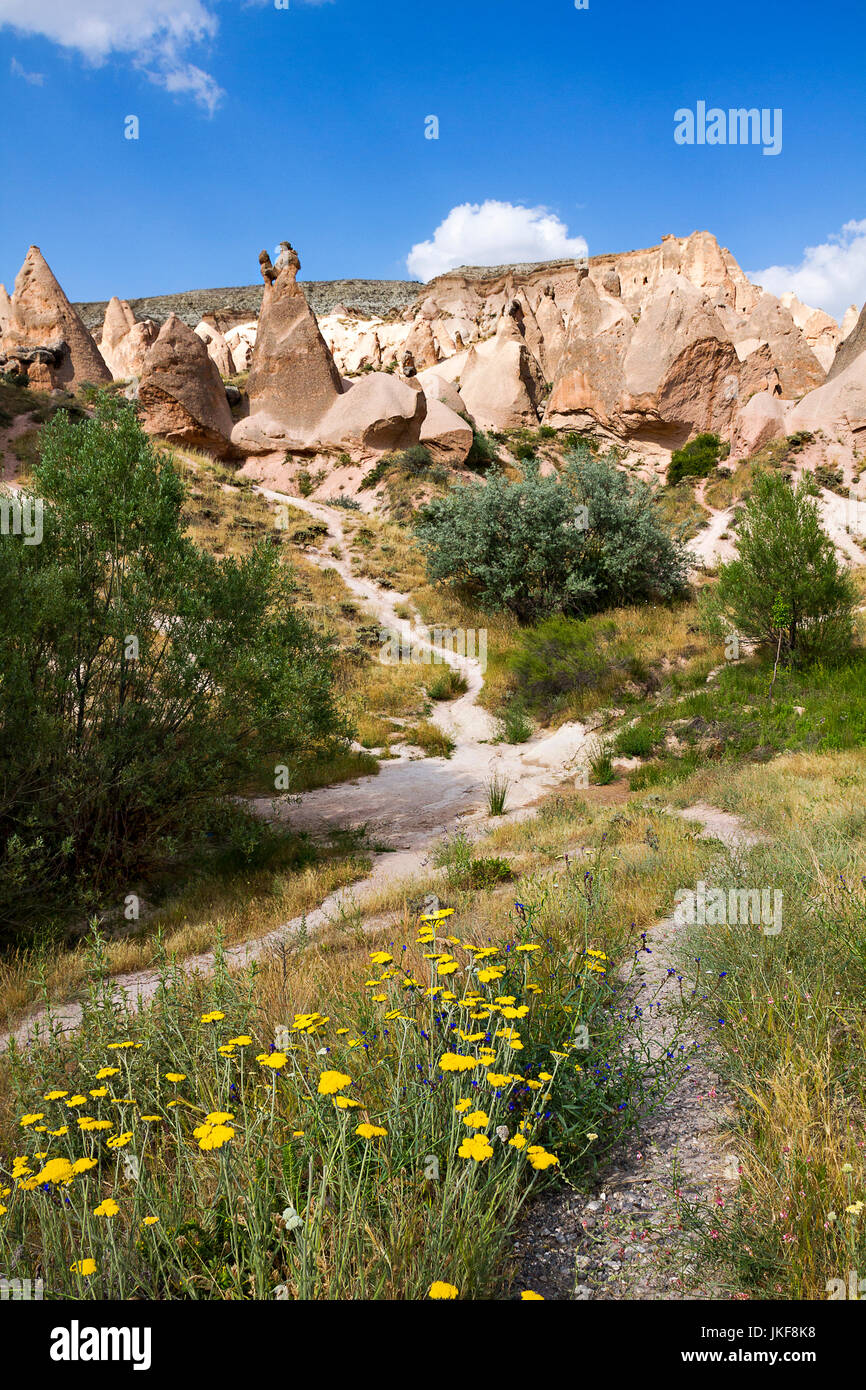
(297, 398)
(501, 382)
(181, 396)
(124, 342)
(44, 336)
(293, 379)
(851, 347)
(218, 349)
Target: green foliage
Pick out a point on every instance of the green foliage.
(446, 684)
(516, 728)
(786, 581)
(636, 741)
(483, 453)
(563, 656)
(601, 769)
(696, 459)
(140, 678)
(489, 872)
(413, 462)
(574, 542)
(497, 794)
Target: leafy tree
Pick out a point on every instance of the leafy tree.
(571, 543)
(786, 588)
(140, 678)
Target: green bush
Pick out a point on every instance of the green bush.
(563, 656)
(140, 678)
(574, 542)
(696, 459)
(634, 742)
(786, 589)
(483, 453)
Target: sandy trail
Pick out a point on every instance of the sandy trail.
(627, 1242)
(406, 807)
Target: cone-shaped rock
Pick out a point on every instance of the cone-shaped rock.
(293, 378)
(46, 334)
(181, 394)
(125, 341)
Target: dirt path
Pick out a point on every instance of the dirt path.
(412, 799)
(406, 807)
(625, 1242)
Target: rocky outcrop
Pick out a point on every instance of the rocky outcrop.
(553, 335)
(241, 339)
(293, 379)
(124, 342)
(422, 344)
(43, 334)
(589, 385)
(850, 348)
(761, 419)
(297, 398)
(501, 381)
(377, 413)
(218, 349)
(445, 433)
(840, 402)
(822, 333)
(181, 396)
(770, 322)
(5, 310)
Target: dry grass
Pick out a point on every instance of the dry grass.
(794, 1041)
(243, 908)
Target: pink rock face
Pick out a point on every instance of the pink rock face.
(377, 412)
(770, 322)
(5, 311)
(181, 395)
(841, 401)
(39, 316)
(445, 433)
(852, 345)
(501, 381)
(761, 419)
(125, 342)
(293, 379)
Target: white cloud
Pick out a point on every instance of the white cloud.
(493, 233)
(830, 276)
(156, 34)
(36, 79)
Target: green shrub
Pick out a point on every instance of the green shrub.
(516, 728)
(574, 542)
(488, 873)
(483, 453)
(564, 656)
(601, 769)
(446, 684)
(696, 459)
(497, 794)
(634, 742)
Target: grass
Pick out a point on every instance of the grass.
(793, 1044)
(567, 669)
(734, 718)
(249, 1178)
(497, 794)
(601, 769)
(429, 737)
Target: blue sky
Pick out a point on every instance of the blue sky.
(258, 123)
